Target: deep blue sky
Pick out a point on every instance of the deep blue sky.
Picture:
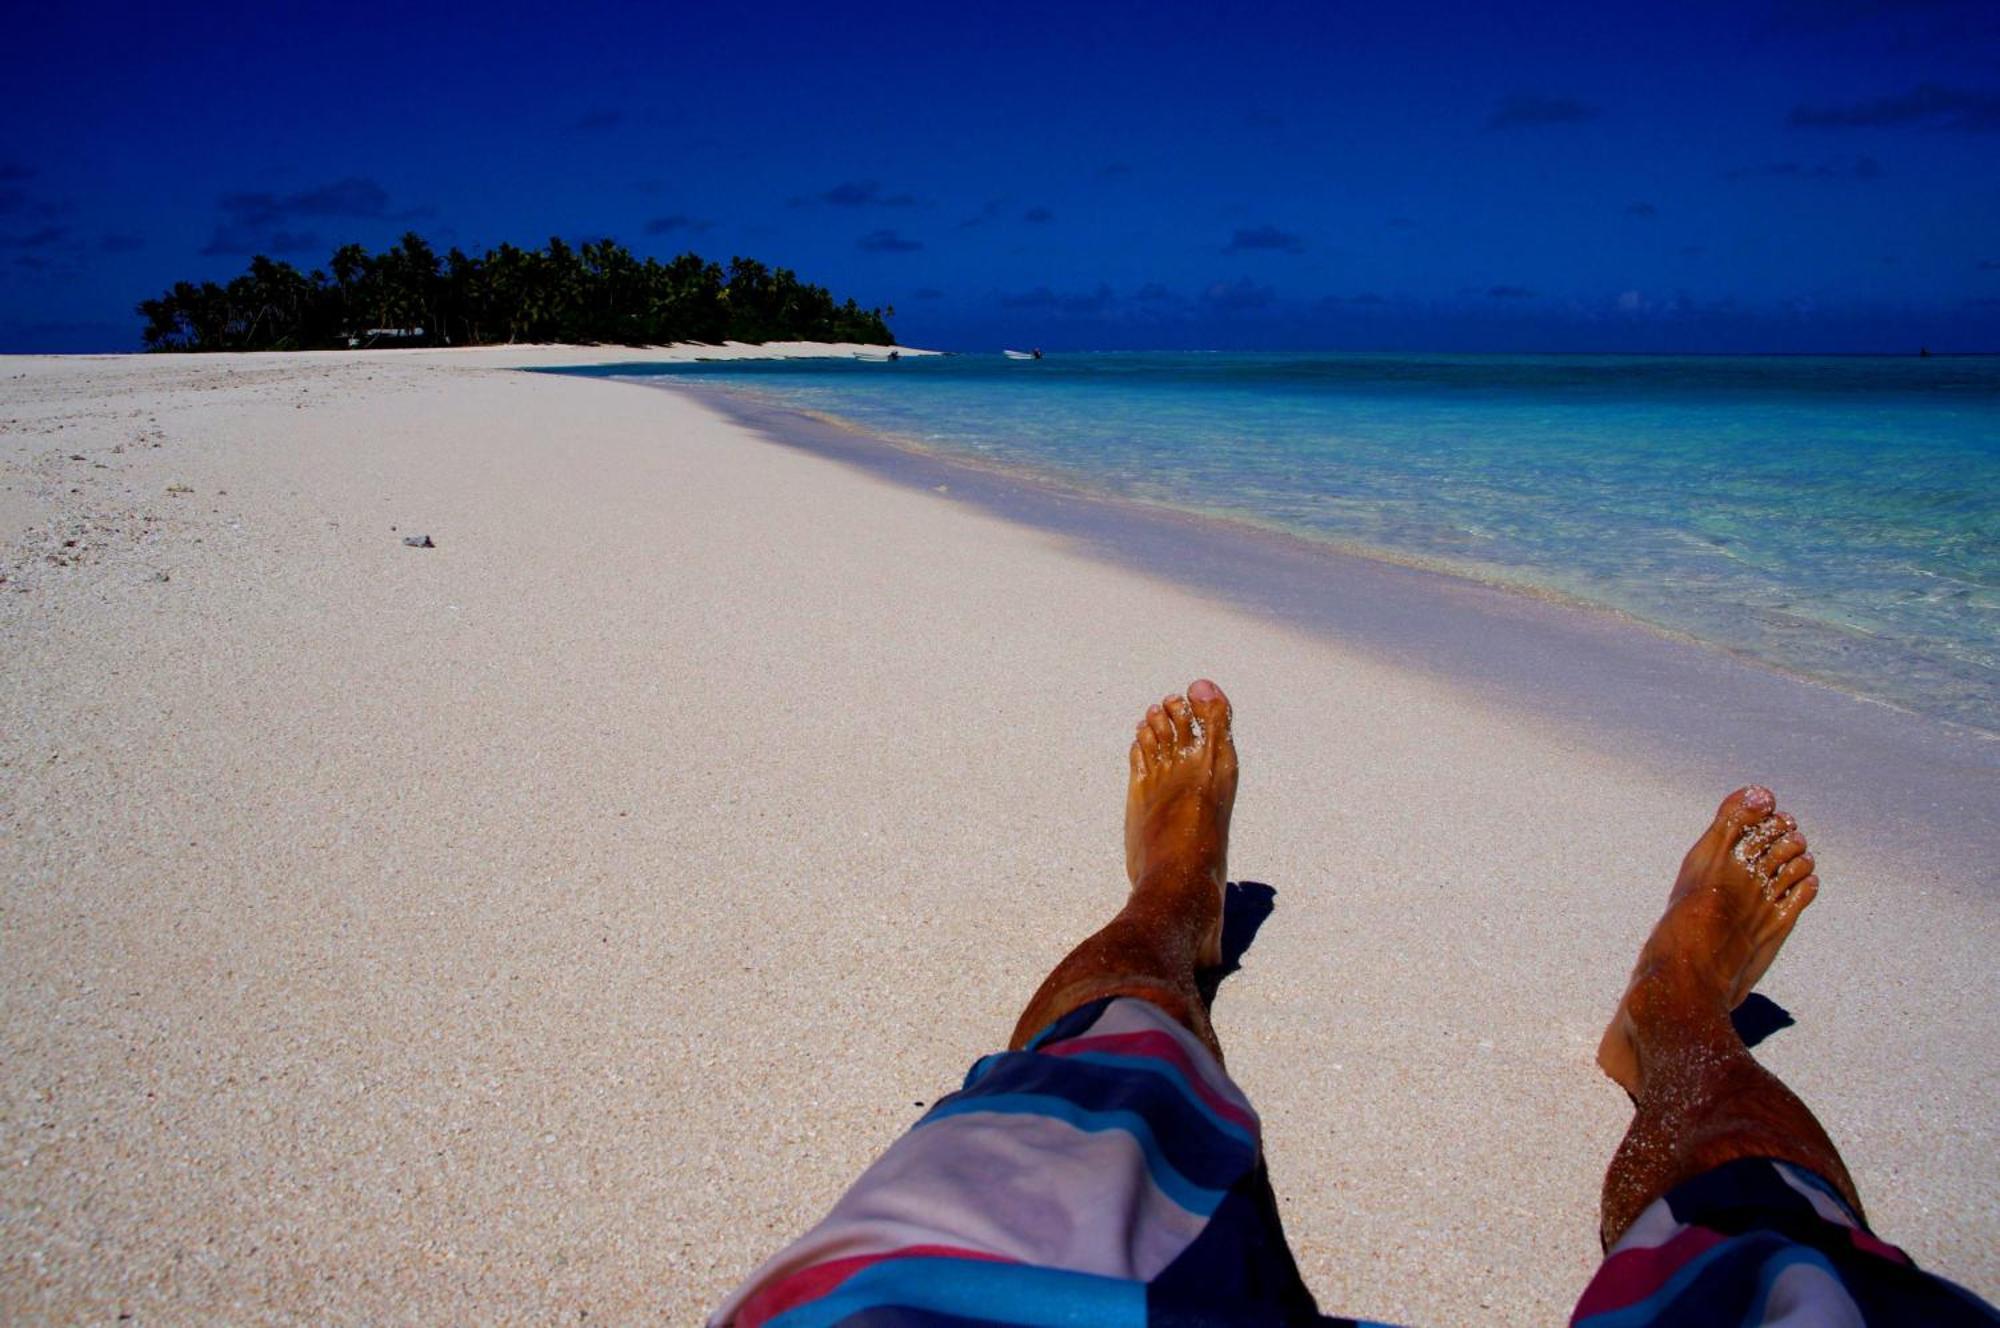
(1755, 175)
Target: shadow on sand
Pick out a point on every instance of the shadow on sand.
(1245, 905)
(1756, 1019)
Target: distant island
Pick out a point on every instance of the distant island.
(593, 293)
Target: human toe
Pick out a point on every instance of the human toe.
(1211, 707)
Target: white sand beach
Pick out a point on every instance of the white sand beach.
(552, 922)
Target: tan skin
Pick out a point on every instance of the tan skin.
(1183, 785)
(1699, 1098)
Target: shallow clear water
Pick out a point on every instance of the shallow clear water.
(1838, 517)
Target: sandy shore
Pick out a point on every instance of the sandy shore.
(555, 920)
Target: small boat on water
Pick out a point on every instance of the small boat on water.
(1022, 354)
(875, 356)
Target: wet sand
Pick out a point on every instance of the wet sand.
(556, 919)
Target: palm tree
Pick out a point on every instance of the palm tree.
(598, 292)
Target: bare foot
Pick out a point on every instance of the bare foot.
(1741, 888)
(1177, 808)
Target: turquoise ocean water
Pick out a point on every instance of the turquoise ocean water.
(1838, 518)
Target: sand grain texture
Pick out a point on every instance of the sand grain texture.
(554, 921)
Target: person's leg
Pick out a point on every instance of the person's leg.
(1726, 1202)
(1699, 1098)
(1104, 1169)
(1183, 785)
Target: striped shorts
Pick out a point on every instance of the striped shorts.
(1111, 1176)
(1764, 1242)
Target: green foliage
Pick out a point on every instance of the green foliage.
(595, 293)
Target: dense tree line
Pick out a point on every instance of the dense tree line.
(596, 292)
